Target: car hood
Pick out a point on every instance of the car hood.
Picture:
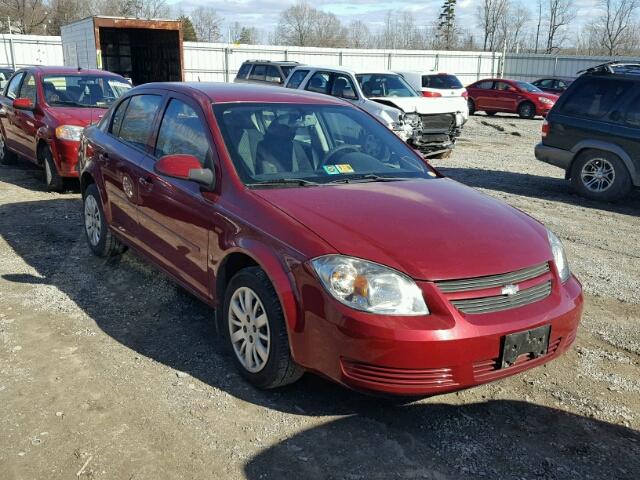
(421, 105)
(77, 116)
(430, 229)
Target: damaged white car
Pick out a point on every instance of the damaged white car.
(431, 129)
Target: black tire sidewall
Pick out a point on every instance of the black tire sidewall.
(532, 110)
(472, 106)
(101, 248)
(9, 158)
(57, 182)
(622, 184)
(255, 279)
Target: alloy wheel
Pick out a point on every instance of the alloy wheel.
(598, 175)
(48, 176)
(249, 329)
(92, 221)
(2, 152)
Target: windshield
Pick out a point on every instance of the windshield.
(527, 87)
(83, 90)
(384, 85)
(300, 145)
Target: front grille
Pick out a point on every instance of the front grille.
(428, 377)
(486, 370)
(504, 302)
(492, 281)
(437, 123)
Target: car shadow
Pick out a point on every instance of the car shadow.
(26, 175)
(537, 186)
(498, 439)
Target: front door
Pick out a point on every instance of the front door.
(9, 113)
(175, 218)
(27, 122)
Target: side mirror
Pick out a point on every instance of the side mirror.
(22, 104)
(186, 167)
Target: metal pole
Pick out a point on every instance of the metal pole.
(13, 54)
(555, 66)
(286, 55)
(389, 62)
(437, 63)
(479, 67)
(226, 64)
(340, 58)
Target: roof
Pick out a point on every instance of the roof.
(219, 92)
(274, 62)
(351, 71)
(69, 70)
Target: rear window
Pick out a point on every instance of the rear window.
(286, 70)
(258, 72)
(595, 97)
(445, 82)
(486, 85)
(244, 70)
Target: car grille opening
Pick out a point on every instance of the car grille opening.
(437, 123)
(495, 303)
(427, 377)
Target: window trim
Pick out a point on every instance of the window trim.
(36, 81)
(329, 81)
(22, 74)
(297, 87)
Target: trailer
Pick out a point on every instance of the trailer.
(142, 50)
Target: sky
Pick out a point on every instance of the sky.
(263, 14)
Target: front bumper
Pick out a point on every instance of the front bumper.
(420, 356)
(65, 155)
(554, 156)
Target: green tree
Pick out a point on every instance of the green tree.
(188, 32)
(447, 24)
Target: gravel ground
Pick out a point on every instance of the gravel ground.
(107, 370)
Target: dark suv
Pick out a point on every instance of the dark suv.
(593, 132)
(264, 71)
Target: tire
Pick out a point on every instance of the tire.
(53, 181)
(527, 110)
(491, 113)
(274, 367)
(600, 175)
(472, 106)
(101, 240)
(7, 157)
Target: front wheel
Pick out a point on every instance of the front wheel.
(527, 110)
(472, 106)
(7, 157)
(100, 239)
(600, 175)
(54, 182)
(256, 330)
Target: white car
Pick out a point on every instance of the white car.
(432, 129)
(440, 88)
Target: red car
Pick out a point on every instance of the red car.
(43, 111)
(510, 96)
(323, 242)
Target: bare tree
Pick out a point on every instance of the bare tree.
(558, 17)
(491, 14)
(512, 26)
(328, 31)
(27, 16)
(242, 34)
(358, 35)
(539, 26)
(206, 23)
(614, 24)
(296, 26)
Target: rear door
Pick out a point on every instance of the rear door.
(122, 157)
(506, 97)
(482, 94)
(175, 217)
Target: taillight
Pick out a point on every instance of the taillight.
(545, 128)
(431, 94)
(465, 94)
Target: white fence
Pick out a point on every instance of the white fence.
(220, 62)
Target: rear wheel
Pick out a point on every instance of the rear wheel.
(54, 182)
(472, 106)
(256, 331)
(100, 239)
(7, 157)
(601, 176)
(527, 110)
(491, 113)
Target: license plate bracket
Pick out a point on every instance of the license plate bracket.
(534, 342)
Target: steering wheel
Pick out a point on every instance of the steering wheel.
(335, 151)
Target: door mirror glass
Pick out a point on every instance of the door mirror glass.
(185, 167)
(23, 104)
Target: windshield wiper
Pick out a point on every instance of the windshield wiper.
(372, 177)
(301, 182)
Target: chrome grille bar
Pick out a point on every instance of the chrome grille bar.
(504, 302)
(491, 281)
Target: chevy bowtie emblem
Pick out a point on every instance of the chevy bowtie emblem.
(510, 289)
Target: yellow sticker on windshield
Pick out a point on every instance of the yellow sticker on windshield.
(345, 168)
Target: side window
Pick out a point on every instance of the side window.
(137, 123)
(116, 118)
(343, 87)
(319, 83)
(561, 84)
(273, 74)
(595, 97)
(182, 132)
(546, 83)
(487, 85)
(258, 72)
(14, 85)
(296, 78)
(28, 88)
(244, 70)
(502, 86)
(628, 113)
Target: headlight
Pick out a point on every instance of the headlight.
(369, 287)
(546, 100)
(559, 256)
(69, 132)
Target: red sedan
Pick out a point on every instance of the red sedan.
(43, 111)
(323, 242)
(509, 96)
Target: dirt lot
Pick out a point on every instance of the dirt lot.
(107, 370)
